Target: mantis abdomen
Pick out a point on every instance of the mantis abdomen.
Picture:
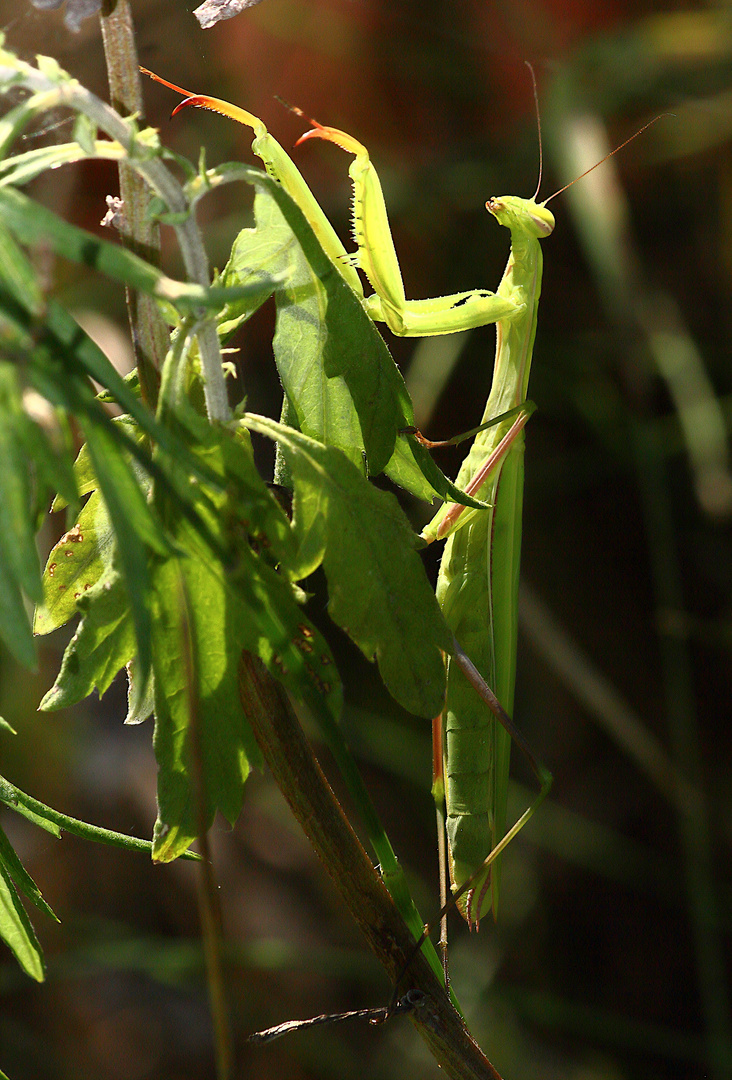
(478, 575)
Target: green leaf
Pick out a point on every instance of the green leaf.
(140, 697)
(135, 529)
(18, 275)
(404, 471)
(196, 646)
(23, 881)
(323, 406)
(75, 564)
(437, 479)
(17, 532)
(47, 446)
(379, 593)
(104, 643)
(323, 331)
(206, 614)
(85, 133)
(22, 168)
(16, 929)
(14, 623)
(32, 223)
(6, 726)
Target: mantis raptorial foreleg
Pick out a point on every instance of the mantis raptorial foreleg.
(377, 258)
(282, 168)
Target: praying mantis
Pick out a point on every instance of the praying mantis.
(478, 580)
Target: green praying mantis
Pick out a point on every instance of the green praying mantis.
(478, 580)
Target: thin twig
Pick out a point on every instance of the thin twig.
(138, 232)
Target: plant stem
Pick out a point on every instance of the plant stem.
(27, 806)
(138, 232)
(301, 780)
(64, 92)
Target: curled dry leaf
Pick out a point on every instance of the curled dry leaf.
(213, 11)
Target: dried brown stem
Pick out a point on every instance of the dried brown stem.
(301, 780)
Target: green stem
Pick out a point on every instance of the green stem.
(69, 93)
(32, 809)
(389, 865)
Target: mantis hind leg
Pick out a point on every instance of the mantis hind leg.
(544, 779)
(438, 793)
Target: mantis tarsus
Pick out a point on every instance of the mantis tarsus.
(477, 586)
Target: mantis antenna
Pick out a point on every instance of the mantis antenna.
(603, 160)
(538, 127)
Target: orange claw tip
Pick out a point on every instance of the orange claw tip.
(197, 101)
(334, 135)
(315, 133)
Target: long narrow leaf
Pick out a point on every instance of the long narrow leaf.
(14, 623)
(23, 881)
(16, 929)
(135, 529)
(32, 223)
(17, 527)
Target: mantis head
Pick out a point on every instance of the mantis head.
(522, 214)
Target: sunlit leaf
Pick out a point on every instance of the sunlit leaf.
(323, 406)
(206, 613)
(379, 593)
(75, 564)
(104, 643)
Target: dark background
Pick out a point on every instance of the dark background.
(609, 957)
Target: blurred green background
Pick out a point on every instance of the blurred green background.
(610, 956)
